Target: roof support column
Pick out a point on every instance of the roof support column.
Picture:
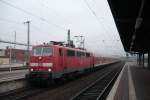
(140, 59)
(137, 58)
(143, 59)
(149, 59)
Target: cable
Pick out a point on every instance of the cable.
(57, 14)
(100, 22)
(10, 21)
(18, 23)
(15, 22)
(34, 15)
(94, 13)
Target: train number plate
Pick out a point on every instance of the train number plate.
(39, 64)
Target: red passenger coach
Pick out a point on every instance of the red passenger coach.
(49, 61)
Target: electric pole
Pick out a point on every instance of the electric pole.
(28, 40)
(14, 52)
(15, 40)
(80, 40)
(69, 37)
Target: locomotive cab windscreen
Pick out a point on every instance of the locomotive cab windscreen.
(42, 51)
(42, 59)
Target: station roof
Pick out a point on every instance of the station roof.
(132, 19)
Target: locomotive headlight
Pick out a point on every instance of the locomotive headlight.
(31, 69)
(40, 58)
(49, 70)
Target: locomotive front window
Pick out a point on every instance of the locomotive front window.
(47, 51)
(37, 52)
(42, 51)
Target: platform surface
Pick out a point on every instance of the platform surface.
(12, 75)
(133, 83)
(11, 65)
(141, 80)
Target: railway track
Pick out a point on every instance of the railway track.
(21, 94)
(32, 92)
(99, 89)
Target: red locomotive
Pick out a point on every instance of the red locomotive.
(49, 62)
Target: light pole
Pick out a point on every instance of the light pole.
(14, 52)
(15, 40)
(10, 53)
(28, 41)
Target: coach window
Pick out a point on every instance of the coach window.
(60, 51)
(70, 53)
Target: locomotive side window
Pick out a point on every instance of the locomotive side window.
(70, 53)
(80, 54)
(87, 54)
(60, 51)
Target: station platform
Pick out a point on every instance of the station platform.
(11, 65)
(133, 83)
(12, 75)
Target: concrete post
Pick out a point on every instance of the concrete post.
(143, 59)
(137, 59)
(140, 58)
(28, 42)
(149, 59)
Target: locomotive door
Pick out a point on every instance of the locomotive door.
(61, 58)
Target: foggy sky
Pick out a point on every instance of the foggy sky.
(50, 20)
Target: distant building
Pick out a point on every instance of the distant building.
(2, 52)
(14, 55)
(3, 58)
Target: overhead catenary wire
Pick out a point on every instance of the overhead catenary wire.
(96, 16)
(9, 21)
(34, 15)
(101, 17)
(35, 27)
(19, 23)
(58, 14)
(52, 11)
(100, 21)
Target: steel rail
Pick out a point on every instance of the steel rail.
(95, 90)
